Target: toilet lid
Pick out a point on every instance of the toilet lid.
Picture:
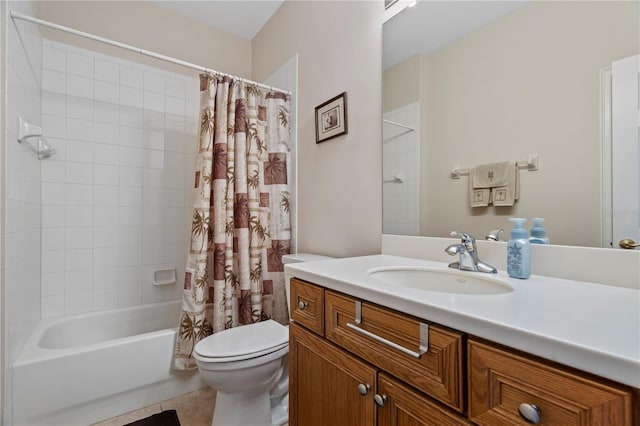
(245, 341)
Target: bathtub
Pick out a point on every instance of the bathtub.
(80, 369)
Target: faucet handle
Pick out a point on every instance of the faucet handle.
(467, 239)
(494, 234)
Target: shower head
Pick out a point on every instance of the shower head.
(31, 136)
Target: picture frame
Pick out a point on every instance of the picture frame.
(331, 118)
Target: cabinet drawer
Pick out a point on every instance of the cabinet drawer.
(307, 305)
(438, 372)
(499, 381)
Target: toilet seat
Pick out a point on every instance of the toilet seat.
(244, 342)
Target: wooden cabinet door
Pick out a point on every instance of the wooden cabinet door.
(501, 381)
(324, 383)
(404, 406)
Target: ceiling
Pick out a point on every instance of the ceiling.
(425, 27)
(430, 24)
(244, 18)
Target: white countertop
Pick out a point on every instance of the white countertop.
(592, 327)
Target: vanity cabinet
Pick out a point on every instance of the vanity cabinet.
(356, 363)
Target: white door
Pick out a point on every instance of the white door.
(625, 153)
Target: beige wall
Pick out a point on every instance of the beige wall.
(401, 84)
(339, 186)
(144, 25)
(552, 53)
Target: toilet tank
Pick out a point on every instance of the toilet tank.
(298, 258)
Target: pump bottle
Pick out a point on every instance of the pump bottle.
(538, 233)
(519, 251)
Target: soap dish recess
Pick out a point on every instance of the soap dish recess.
(164, 276)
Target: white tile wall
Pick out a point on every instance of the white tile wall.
(22, 184)
(116, 204)
(401, 153)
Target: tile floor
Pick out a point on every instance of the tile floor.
(194, 409)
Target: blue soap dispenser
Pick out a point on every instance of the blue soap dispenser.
(538, 233)
(518, 250)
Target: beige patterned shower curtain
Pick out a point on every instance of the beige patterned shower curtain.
(241, 227)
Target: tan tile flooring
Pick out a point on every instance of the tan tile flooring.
(194, 409)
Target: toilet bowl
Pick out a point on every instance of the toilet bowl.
(248, 367)
(243, 364)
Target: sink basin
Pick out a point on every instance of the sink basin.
(440, 280)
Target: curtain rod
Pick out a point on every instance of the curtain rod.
(17, 15)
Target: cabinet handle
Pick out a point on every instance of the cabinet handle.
(530, 412)
(424, 335)
(380, 399)
(364, 388)
(302, 305)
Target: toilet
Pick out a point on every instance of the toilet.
(248, 367)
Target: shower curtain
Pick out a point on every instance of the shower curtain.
(241, 227)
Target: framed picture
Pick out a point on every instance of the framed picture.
(331, 118)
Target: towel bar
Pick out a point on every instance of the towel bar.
(530, 164)
(397, 178)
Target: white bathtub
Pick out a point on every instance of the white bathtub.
(79, 369)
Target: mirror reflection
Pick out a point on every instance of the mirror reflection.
(467, 84)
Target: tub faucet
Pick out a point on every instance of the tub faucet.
(468, 253)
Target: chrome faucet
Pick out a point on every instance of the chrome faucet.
(468, 253)
(494, 235)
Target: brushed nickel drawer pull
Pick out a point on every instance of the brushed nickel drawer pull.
(530, 412)
(380, 399)
(424, 335)
(364, 388)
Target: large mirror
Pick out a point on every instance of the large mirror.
(467, 84)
